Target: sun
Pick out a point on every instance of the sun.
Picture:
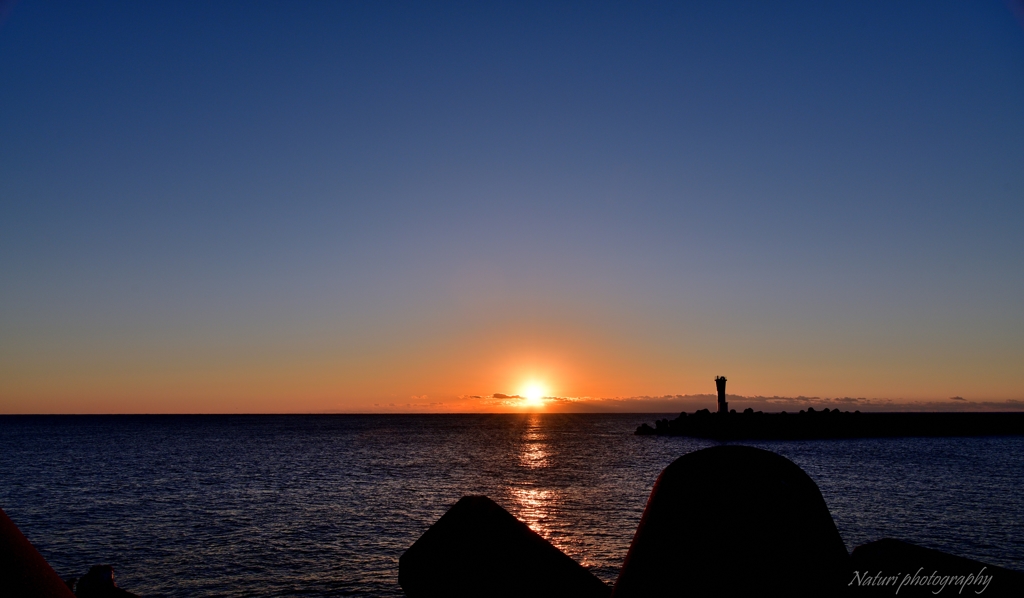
(533, 395)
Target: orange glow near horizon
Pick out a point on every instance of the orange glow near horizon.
(558, 367)
(533, 395)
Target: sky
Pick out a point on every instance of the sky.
(393, 207)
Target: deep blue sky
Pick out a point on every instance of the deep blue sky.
(339, 204)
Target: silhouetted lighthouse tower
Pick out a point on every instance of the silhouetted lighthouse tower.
(723, 406)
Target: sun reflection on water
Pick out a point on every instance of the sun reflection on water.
(533, 446)
(532, 506)
(529, 500)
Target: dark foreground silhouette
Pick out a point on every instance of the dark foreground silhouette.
(24, 573)
(99, 583)
(479, 549)
(723, 521)
(734, 521)
(883, 567)
(832, 423)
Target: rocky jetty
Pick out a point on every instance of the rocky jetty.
(832, 423)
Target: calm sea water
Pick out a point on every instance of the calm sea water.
(325, 505)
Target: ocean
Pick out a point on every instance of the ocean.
(324, 505)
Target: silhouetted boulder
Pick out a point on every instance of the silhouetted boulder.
(99, 583)
(884, 567)
(478, 548)
(23, 571)
(645, 430)
(734, 521)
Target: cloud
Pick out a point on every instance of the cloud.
(691, 403)
(957, 399)
(674, 404)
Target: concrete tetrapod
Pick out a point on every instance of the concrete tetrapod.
(23, 571)
(478, 548)
(734, 521)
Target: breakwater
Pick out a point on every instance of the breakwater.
(833, 423)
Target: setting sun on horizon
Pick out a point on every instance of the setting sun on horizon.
(441, 298)
(533, 395)
(403, 208)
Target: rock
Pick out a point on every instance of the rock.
(478, 548)
(99, 583)
(23, 571)
(886, 566)
(645, 430)
(735, 521)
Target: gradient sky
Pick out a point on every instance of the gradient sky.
(312, 206)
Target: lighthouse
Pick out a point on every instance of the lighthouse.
(723, 406)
